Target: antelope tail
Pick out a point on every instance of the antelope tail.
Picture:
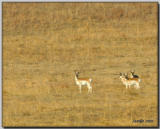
(139, 80)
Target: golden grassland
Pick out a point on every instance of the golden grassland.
(43, 43)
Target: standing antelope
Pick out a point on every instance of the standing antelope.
(133, 75)
(83, 82)
(130, 81)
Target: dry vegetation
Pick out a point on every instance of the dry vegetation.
(44, 42)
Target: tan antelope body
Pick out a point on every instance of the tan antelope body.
(128, 82)
(83, 82)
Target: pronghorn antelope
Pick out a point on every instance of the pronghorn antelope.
(83, 82)
(129, 81)
(133, 75)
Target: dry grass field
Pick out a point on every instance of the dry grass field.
(43, 43)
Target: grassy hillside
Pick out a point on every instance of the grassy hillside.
(43, 43)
